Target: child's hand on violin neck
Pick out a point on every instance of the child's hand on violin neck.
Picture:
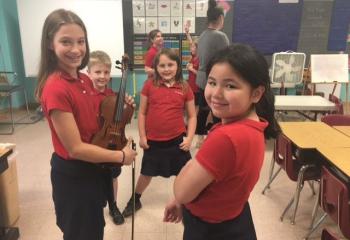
(130, 100)
(130, 154)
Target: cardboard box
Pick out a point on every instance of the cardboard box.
(9, 202)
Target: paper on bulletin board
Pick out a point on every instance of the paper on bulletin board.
(138, 8)
(201, 8)
(329, 68)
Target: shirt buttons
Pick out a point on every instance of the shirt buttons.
(84, 91)
(82, 81)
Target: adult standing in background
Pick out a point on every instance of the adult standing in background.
(210, 41)
(155, 41)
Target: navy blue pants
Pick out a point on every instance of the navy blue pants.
(78, 193)
(239, 228)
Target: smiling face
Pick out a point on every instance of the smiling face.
(158, 40)
(100, 75)
(70, 47)
(229, 96)
(167, 68)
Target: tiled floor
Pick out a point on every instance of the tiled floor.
(37, 218)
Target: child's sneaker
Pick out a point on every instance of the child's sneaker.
(116, 215)
(128, 209)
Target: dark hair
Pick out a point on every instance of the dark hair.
(173, 55)
(251, 65)
(151, 35)
(48, 59)
(214, 11)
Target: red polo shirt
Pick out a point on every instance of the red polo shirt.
(233, 154)
(151, 53)
(191, 75)
(165, 110)
(65, 93)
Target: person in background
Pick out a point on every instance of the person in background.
(210, 41)
(99, 71)
(67, 98)
(214, 187)
(163, 135)
(192, 68)
(155, 41)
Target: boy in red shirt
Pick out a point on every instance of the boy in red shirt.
(99, 70)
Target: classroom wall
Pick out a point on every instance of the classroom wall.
(11, 55)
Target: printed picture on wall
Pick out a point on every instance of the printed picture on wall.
(164, 24)
(201, 8)
(151, 8)
(164, 8)
(191, 23)
(176, 8)
(151, 23)
(139, 25)
(138, 8)
(176, 25)
(189, 8)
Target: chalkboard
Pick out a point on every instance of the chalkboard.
(103, 20)
(339, 25)
(268, 25)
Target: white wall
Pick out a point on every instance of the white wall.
(103, 20)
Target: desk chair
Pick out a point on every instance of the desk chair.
(328, 235)
(297, 170)
(338, 104)
(7, 90)
(334, 199)
(336, 120)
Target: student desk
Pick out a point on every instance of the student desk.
(6, 233)
(339, 157)
(300, 104)
(312, 135)
(343, 129)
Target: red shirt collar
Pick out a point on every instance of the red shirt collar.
(176, 84)
(67, 76)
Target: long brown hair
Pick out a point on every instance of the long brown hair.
(48, 59)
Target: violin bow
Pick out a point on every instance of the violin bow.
(133, 193)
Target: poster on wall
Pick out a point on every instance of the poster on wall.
(151, 8)
(140, 48)
(189, 8)
(164, 24)
(164, 8)
(151, 23)
(329, 68)
(201, 8)
(176, 25)
(138, 8)
(139, 25)
(176, 8)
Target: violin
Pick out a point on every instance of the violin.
(114, 115)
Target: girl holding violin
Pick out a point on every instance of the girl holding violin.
(163, 134)
(66, 96)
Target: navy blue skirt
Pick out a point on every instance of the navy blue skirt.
(164, 158)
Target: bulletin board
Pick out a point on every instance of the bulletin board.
(169, 16)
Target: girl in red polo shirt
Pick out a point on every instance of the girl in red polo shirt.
(68, 102)
(214, 187)
(155, 41)
(162, 130)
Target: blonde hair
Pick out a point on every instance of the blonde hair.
(99, 57)
(48, 58)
